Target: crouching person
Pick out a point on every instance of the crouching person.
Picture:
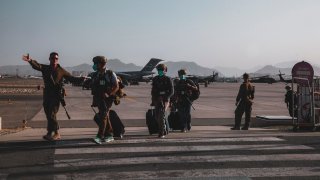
(104, 88)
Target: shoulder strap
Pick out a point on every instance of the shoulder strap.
(109, 73)
(191, 82)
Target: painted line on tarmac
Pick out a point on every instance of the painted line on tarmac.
(240, 139)
(167, 140)
(146, 149)
(183, 159)
(188, 140)
(203, 174)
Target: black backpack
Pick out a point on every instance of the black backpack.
(195, 94)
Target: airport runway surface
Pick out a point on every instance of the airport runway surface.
(215, 106)
(206, 152)
(209, 151)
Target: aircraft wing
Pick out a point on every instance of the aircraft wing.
(123, 75)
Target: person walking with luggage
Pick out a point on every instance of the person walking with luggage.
(162, 90)
(53, 92)
(104, 89)
(244, 102)
(183, 92)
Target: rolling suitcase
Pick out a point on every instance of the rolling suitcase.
(152, 123)
(116, 123)
(174, 121)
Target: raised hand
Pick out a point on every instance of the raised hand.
(26, 58)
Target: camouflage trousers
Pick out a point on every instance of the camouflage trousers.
(184, 111)
(243, 108)
(51, 108)
(105, 127)
(160, 115)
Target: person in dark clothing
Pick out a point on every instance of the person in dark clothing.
(183, 91)
(289, 96)
(104, 88)
(53, 75)
(244, 102)
(162, 90)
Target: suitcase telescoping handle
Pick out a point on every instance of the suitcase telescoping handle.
(152, 108)
(94, 110)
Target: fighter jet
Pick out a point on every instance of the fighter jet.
(134, 77)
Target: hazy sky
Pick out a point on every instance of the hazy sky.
(231, 33)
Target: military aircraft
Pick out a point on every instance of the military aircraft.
(32, 77)
(282, 79)
(263, 79)
(203, 79)
(134, 77)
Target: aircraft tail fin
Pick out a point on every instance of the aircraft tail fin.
(280, 76)
(151, 64)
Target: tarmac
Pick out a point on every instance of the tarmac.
(214, 110)
(209, 151)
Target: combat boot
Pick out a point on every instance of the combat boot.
(47, 137)
(235, 128)
(245, 127)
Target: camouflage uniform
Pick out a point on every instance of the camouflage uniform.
(52, 91)
(182, 97)
(102, 84)
(162, 90)
(244, 105)
(289, 101)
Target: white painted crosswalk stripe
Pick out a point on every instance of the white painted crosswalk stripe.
(106, 150)
(204, 150)
(231, 173)
(192, 140)
(182, 159)
(189, 140)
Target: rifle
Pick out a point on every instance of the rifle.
(190, 103)
(61, 94)
(63, 102)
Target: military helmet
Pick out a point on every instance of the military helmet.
(99, 59)
(245, 76)
(182, 72)
(162, 67)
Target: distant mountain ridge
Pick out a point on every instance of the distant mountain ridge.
(173, 67)
(191, 67)
(273, 70)
(22, 70)
(115, 65)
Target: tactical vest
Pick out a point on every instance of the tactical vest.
(249, 93)
(181, 88)
(102, 84)
(161, 85)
